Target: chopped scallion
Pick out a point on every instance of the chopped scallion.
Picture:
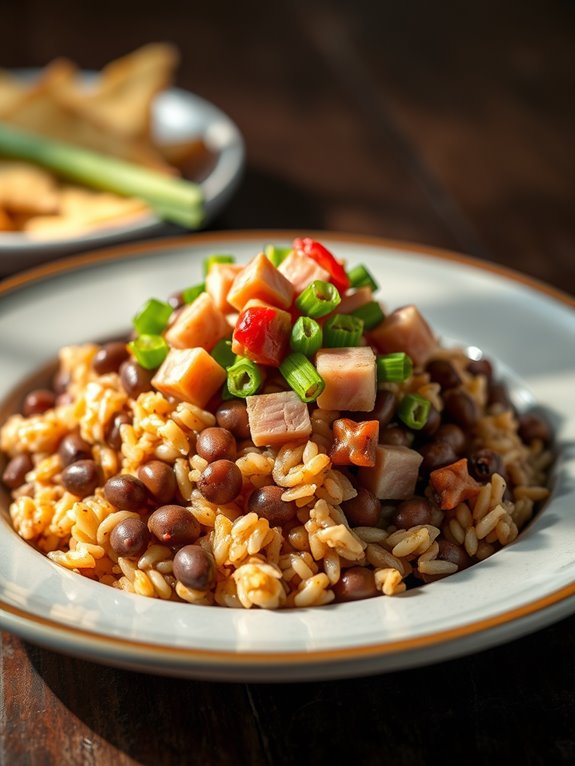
(306, 336)
(211, 259)
(394, 368)
(276, 254)
(223, 354)
(302, 377)
(189, 294)
(414, 410)
(342, 331)
(318, 299)
(152, 318)
(149, 350)
(370, 313)
(359, 276)
(244, 378)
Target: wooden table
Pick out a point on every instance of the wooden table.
(450, 124)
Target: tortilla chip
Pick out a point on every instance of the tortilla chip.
(122, 99)
(27, 189)
(6, 222)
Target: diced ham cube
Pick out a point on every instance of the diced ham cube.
(301, 270)
(277, 418)
(354, 299)
(260, 279)
(218, 282)
(190, 375)
(405, 330)
(350, 377)
(199, 323)
(394, 475)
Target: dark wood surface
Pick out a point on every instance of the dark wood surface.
(447, 123)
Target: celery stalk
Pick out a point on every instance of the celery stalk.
(173, 199)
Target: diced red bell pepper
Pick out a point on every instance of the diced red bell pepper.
(354, 443)
(262, 334)
(321, 255)
(453, 484)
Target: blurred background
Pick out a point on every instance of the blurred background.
(450, 124)
(446, 123)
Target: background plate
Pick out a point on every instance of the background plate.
(524, 587)
(178, 115)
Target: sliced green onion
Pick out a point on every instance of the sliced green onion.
(211, 259)
(302, 377)
(172, 198)
(306, 336)
(244, 378)
(342, 331)
(189, 294)
(223, 354)
(394, 368)
(414, 410)
(149, 350)
(276, 254)
(225, 393)
(370, 313)
(318, 299)
(359, 276)
(152, 318)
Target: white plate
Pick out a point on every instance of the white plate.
(177, 116)
(527, 328)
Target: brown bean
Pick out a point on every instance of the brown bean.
(354, 584)
(221, 482)
(216, 444)
(432, 424)
(15, 472)
(412, 512)
(480, 367)
(38, 402)
(452, 552)
(126, 492)
(194, 567)
(461, 409)
(483, 463)
(174, 525)
(443, 372)
(532, 426)
(81, 478)
(135, 379)
(396, 435)
(160, 480)
(384, 408)
(109, 357)
(112, 433)
(449, 432)
(436, 454)
(267, 503)
(233, 415)
(73, 448)
(130, 537)
(364, 510)
(61, 381)
(497, 393)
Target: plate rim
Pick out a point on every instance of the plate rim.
(550, 607)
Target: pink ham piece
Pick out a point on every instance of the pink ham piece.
(350, 378)
(189, 374)
(301, 271)
(394, 475)
(277, 418)
(198, 324)
(260, 279)
(218, 282)
(354, 299)
(405, 330)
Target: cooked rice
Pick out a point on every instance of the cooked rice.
(257, 565)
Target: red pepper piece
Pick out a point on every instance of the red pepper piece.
(453, 484)
(321, 255)
(262, 334)
(354, 443)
